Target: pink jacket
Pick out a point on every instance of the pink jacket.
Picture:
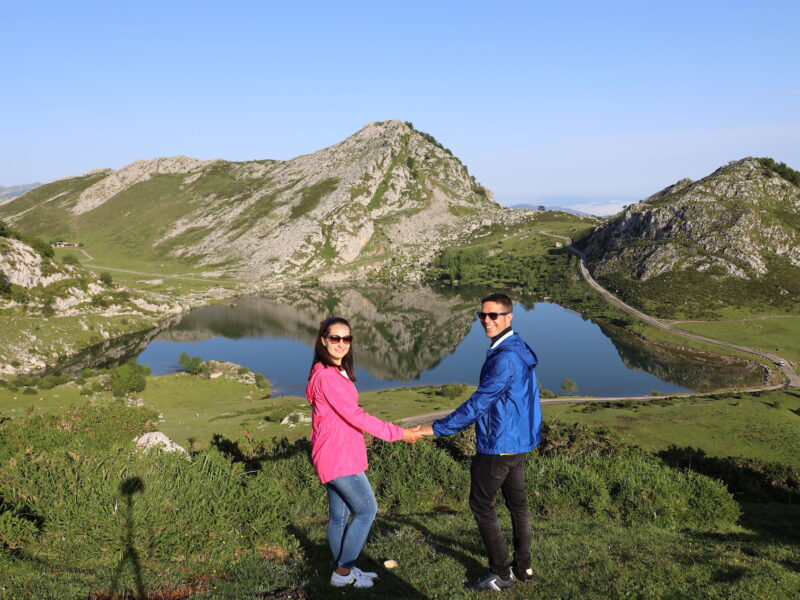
(338, 424)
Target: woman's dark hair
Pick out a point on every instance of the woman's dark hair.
(321, 354)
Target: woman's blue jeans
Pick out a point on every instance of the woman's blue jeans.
(349, 494)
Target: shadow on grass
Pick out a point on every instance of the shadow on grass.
(451, 546)
(253, 453)
(129, 487)
(768, 494)
(318, 567)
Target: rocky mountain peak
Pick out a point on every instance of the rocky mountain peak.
(727, 223)
(386, 194)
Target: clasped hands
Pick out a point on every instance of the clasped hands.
(411, 435)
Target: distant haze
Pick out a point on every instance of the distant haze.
(597, 206)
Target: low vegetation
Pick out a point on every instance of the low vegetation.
(85, 515)
(82, 513)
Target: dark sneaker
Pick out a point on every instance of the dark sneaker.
(525, 576)
(492, 583)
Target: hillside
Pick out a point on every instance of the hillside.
(52, 309)
(10, 192)
(387, 197)
(731, 238)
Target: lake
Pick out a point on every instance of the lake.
(424, 336)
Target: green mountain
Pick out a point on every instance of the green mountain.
(731, 238)
(385, 198)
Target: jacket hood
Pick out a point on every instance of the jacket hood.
(516, 344)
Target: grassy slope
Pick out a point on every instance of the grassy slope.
(575, 555)
(764, 425)
(774, 334)
(191, 407)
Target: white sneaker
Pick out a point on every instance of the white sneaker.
(358, 581)
(368, 574)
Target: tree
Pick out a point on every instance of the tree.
(542, 208)
(569, 386)
(5, 284)
(129, 377)
(192, 365)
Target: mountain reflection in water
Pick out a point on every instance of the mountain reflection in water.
(428, 336)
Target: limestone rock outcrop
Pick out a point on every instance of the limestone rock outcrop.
(728, 224)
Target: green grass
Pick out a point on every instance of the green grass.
(609, 521)
(763, 425)
(777, 335)
(311, 196)
(197, 408)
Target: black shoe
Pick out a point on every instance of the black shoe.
(524, 577)
(492, 583)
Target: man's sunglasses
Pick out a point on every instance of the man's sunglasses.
(492, 316)
(340, 338)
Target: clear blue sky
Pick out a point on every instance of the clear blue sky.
(544, 101)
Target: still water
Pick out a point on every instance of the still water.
(422, 337)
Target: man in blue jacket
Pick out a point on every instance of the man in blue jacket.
(508, 420)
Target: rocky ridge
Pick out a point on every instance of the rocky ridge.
(729, 223)
(385, 200)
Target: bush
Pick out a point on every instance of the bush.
(5, 285)
(420, 477)
(106, 279)
(545, 393)
(192, 365)
(569, 386)
(70, 259)
(451, 390)
(128, 378)
(641, 490)
(559, 488)
(749, 479)
(48, 382)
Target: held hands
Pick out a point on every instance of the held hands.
(412, 435)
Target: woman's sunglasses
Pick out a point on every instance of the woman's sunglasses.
(340, 338)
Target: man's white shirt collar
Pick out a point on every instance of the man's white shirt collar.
(500, 341)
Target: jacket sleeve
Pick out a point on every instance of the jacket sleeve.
(343, 399)
(495, 380)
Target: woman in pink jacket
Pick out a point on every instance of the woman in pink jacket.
(338, 451)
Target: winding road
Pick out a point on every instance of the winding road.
(793, 379)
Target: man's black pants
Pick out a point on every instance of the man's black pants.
(491, 473)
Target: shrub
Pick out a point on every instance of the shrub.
(106, 279)
(70, 259)
(451, 390)
(642, 490)
(412, 478)
(192, 365)
(129, 377)
(559, 488)
(569, 386)
(545, 393)
(5, 285)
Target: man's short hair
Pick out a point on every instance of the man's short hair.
(501, 299)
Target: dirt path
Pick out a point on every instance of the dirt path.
(786, 368)
(158, 275)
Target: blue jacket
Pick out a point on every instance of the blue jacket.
(505, 408)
